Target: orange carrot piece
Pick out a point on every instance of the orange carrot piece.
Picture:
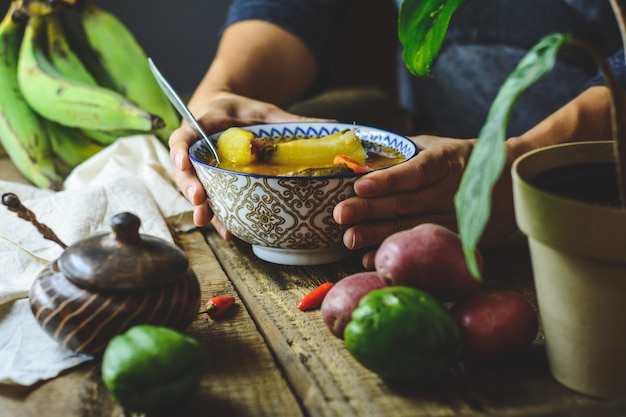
(351, 163)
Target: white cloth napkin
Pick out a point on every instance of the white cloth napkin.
(130, 175)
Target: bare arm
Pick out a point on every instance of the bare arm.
(261, 61)
(422, 189)
(258, 67)
(586, 117)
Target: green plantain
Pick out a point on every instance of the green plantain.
(23, 134)
(126, 64)
(71, 146)
(106, 137)
(75, 37)
(67, 101)
(62, 57)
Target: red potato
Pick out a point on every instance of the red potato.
(428, 257)
(344, 297)
(495, 324)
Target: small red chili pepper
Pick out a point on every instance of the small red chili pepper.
(351, 163)
(315, 297)
(218, 305)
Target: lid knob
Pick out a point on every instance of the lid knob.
(126, 227)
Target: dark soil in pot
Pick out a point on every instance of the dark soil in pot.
(594, 183)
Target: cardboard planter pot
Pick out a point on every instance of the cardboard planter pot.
(578, 252)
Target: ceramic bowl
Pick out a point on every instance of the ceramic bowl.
(287, 220)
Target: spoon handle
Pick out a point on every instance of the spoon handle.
(180, 106)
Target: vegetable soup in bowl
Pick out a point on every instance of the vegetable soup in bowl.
(277, 184)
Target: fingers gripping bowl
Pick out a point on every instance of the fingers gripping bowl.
(288, 219)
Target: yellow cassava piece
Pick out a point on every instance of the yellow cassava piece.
(235, 145)
(319, 151)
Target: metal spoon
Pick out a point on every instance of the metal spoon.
(182, 108)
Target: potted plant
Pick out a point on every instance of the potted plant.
(577, 240)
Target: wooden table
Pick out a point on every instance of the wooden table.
(268, 358)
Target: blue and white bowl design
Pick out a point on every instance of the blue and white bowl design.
(287, 220)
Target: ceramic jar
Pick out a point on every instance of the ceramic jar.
(105, 284)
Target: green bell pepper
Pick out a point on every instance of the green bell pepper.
(151, 368)
(404, 335)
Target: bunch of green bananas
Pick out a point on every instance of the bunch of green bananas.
(70, 90)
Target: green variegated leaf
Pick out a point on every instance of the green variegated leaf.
(473, 199)
(422, 25)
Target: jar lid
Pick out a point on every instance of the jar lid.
(123, 259)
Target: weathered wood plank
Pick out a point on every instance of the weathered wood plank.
(323, 374)
(239, 367)
(241, 377)
(331, 383)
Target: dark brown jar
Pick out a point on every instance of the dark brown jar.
(105, 284)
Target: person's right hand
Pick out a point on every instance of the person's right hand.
(215, 113)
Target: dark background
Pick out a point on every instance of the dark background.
(181, 36)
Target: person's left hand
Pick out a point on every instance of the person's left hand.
(417, 191)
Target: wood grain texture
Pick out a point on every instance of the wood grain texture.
(241, 377)
(330, 383)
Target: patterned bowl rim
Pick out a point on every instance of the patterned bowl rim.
(298, 129)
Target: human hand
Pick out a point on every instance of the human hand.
(217, 112)
(420, 190)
